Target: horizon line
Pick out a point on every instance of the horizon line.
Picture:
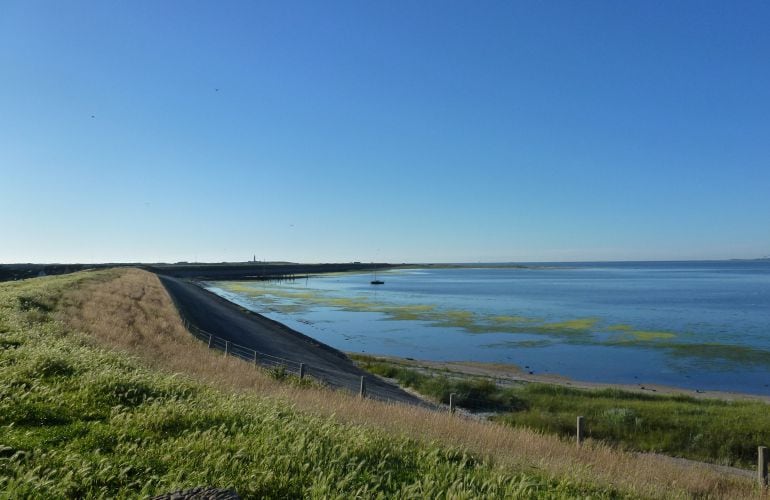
(395, 263)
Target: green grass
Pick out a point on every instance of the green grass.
(80, 421)
(703, 429)
(711, 430)
(470, 393)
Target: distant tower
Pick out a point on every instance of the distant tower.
(255, 257)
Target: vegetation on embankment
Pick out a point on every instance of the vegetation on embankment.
(718, 431)
(104, 394)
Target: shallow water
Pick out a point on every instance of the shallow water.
(698, 325)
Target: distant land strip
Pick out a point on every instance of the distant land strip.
(251, 270)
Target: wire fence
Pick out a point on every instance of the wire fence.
(245, 353)
(372, 388)
(332, 378)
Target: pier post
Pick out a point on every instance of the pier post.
(362, 389)
(580, 430)
(452, 402)
(762, 465)
(301, 371)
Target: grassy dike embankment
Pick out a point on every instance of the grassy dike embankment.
(104, 394)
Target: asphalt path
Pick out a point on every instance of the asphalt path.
(210, 312)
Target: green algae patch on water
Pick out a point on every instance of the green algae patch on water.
(651, 335)
(302, 299)
(514, 320)
(416, 312)
(246, 288)
(270, 292)
(458, 318)
(235, 287)
(579, 324)
(298, 295)
(355, 304)
(627, 333)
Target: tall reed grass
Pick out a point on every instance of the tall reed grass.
(714, 430)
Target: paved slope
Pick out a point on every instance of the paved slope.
(222, 318)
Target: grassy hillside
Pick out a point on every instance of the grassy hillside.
(104, 394)
(722, 432)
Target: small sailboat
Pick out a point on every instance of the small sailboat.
(375, 281)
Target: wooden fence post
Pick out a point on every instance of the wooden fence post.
(211, 339)
(362, 390)
(580, 430)
(227, 347)
(301, 371)
(256, 358)
(762, 465)
(452, 402)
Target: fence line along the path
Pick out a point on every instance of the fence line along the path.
(243, 352)
(343, 380)
(330, 378)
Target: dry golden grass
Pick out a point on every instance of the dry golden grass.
(129, 310)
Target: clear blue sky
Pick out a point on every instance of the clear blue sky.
(387, 131)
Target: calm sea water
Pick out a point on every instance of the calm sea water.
(699, 325)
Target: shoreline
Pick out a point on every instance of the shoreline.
(508, 374)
